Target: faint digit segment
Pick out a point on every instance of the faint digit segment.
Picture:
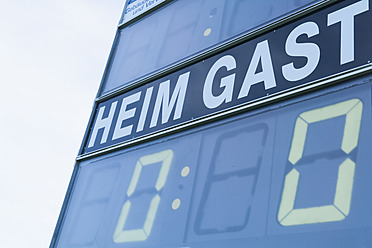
(288, 215)
(231, 181)
(121, 235)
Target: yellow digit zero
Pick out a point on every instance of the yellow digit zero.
(288, 215)
(122, 236)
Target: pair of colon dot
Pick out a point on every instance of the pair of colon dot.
(212, 13)
(177, 202)
(186, 170)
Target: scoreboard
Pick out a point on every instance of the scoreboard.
(229, 123)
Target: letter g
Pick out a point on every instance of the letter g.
(211, 101)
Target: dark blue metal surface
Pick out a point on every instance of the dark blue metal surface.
(253, 70)
(233, 192)
(183, 28)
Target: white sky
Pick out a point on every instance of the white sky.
(52, 57)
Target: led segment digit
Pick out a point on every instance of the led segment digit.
(231, 182)
(287, 215)
(121, 235)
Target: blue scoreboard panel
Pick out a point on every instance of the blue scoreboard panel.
(229, 124)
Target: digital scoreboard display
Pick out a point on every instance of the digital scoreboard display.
(265, 144)
(293, 174)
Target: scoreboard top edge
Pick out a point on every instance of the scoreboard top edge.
(329, 43)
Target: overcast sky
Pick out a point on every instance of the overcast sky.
(52, 57)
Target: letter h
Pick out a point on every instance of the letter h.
(104, 123)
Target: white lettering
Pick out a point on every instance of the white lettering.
(346, 17)
(162, 100)
(309, 50)
(104, 123)
(125, 114)
(227, 82)
(261, 53)
(145, 108)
